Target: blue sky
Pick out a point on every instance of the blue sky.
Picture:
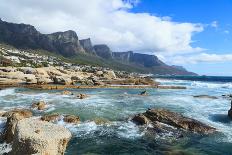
(216, 39)
(195, 34)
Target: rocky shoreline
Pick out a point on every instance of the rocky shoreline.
(41, 134)
(61, 78)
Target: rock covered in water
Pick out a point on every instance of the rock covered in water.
(144, 93)
(56, 117)
(12, 119)
(205, 96)
(82, 96)
(41, 105)
(173, 119)
(51, 117)
(22, 112)
(71, 119)
(66, 92)
(38, 137)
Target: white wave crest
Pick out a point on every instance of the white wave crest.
(6, 92)
(210, 85)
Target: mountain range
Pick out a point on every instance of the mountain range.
(68, 45)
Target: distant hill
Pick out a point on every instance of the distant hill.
(67, 44)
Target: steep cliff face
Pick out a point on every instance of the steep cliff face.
(103, 51)
(66, 43)
(87, 45)
(26, 36)
(138, 58)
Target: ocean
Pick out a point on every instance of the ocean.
(115, 107)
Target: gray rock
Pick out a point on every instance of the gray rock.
(39, 137)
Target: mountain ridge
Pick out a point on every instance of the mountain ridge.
(68, 45)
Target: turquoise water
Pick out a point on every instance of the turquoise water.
(116, 106)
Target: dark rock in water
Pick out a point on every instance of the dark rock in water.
(175, 120)
(144, 93)
(22, 112)
(71, 119)
(230, 111)
(205, 96)
(140, 119)
(82, 96)
(56, 117)
(51, 117)
(227, 96)
(41, 105)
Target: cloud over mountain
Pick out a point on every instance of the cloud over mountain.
(105, 21)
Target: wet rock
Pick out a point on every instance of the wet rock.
(82, 96)
(66, 92)
(230, 111)
(101, 121)
(144, 93)
(51, 117)
(71, 119)
(38, 137)
(23, 112)
(205, 96)
(41, 105)
(140, 119)
(12, 119)
(175, 120)
(171, 87)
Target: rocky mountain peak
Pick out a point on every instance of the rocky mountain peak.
(87, 45)
(103, 51)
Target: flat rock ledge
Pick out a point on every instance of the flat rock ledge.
(33, 136)
(157, 116)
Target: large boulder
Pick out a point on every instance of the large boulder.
(30, 79)
(173, 119)
(43, 80)
(23, 112)
(33, 136)
(62, 80)
(109, 75)
(12, 119)
(71, 119)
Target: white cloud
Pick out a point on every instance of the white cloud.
(214, 24)
(226, 32)
(105, 21)
(198, 58)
